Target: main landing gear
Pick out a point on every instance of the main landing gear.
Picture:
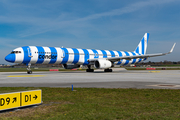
(89, 69)
(108, 70)
(29, 69)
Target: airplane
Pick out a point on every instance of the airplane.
(73, 57)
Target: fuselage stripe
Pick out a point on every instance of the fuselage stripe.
(41, 54)
(53, 55)
(66, 56)
(86, 56)
(76, 55)
(26, 59)
(139, 60)
(95, 53)
(120, 55)
(134, 60)
(127, 61)
(112, 53)
(104, 53)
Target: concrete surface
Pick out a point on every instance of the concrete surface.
(120, 78)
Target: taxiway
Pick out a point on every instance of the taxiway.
(120, 78)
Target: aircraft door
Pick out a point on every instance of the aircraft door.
(29, 52)
(63, 54)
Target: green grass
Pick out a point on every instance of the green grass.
(101, 103)
(24, 69)
(176, 65)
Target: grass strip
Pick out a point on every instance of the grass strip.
(101, 103)
(39, 69)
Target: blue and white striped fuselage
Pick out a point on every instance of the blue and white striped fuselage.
(57, 55)
(73, 57)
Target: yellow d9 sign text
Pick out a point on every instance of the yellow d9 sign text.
(9, 100)
(31, 97)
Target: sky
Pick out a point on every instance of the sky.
(94, 24)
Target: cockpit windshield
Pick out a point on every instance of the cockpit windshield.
(15, 52)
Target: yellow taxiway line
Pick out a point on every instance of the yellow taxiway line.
(26, 76)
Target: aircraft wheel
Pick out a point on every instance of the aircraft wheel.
(107, 70)
(89, 70)
(29, 72)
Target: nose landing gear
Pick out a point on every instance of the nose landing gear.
(29, 69)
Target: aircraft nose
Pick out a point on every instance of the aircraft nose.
(10, 58)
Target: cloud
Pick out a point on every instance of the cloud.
(8, 43)
(52, 23)
(38, 25)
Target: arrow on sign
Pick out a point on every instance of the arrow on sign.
(14, 100)
(35, 97)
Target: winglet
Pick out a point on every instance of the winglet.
(172, 48)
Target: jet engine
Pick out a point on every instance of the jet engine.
(70, 66)
(102, 64)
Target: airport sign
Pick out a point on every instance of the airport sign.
(31, 97)
(9, 100)
(20, 99)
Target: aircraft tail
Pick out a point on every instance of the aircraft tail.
(142, 47)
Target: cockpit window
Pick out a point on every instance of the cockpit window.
(15, 52)
(12, 52)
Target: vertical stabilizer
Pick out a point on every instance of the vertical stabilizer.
(142, 47)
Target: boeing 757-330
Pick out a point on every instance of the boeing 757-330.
(73, 57)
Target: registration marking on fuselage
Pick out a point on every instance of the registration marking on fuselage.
(26, 76)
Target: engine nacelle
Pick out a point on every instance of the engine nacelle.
(70, 66)
(102, 64)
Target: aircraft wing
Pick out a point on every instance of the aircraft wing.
(113, 59)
